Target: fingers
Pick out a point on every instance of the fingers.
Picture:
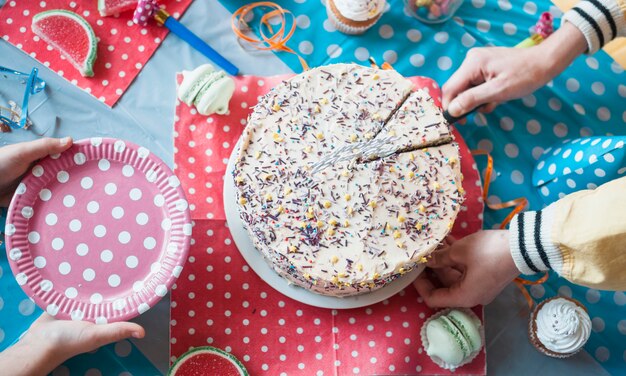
(468, 75)
(101, 335)
(440, 259)
(448, 276)
(488, 108)
(439, 297)
(449, 240)
(33, 150)
(473, 97)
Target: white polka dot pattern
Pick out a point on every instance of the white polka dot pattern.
(219, 300)
(579, 164)
(91, 230)
(123, 48)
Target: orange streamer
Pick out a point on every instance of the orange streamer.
(518, 205)
(277, 41)
(384, 66)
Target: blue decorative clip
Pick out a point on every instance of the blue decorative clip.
(583, 163)
(34, 85)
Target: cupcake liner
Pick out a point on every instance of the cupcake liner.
(345, 28)
(532, 330)
(471, 357)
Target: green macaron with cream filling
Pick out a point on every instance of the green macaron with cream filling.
(215, 95)
(452, 338)
(208, 89)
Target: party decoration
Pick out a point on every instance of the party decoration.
(164, 18)
(71, 34)
(98, 233)
(276, 40)
(144, 11)
(583, 163)
(543, 28)
(112, 7)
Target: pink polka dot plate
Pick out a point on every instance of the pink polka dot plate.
(98, 233)
(260, 266)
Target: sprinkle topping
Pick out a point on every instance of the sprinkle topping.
(393, 214)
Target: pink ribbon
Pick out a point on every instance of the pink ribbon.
(145, 10)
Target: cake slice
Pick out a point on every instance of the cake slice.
(419, 199)
(418, 123)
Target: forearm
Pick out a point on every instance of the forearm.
(580, 237)
(23, 360)
(561, 48)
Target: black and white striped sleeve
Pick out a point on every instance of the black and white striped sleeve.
(531, 242)
(600, 21)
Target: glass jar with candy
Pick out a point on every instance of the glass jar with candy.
(432, 11)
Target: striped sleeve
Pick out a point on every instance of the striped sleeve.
(600, 21)
(531, 245)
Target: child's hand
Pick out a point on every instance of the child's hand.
(49, 342)
(468, 272)
(17, 158)
(490, 75)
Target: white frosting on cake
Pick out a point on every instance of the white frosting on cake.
(348, 226)
(563, 326)
(417, 123)
(359, 10)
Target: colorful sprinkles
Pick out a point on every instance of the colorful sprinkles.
(359, 221)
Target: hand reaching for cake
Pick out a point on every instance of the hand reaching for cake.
(469, 271)
(491, 75)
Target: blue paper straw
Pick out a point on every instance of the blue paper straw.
(185, 34)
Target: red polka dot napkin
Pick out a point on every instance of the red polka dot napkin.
(123, 47)
(219, 301)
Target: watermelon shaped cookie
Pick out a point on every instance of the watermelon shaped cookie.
(207, 360)
(112, 7)
(71, 35)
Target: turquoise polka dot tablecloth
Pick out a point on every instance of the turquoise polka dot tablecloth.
(17, 312)
(588, 99)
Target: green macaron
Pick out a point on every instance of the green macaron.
(453, 338)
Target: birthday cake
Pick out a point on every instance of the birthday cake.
(346, 178)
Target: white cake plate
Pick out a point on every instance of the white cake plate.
(260, 266)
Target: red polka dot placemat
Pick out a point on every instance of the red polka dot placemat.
(220, 301)
(123, 47)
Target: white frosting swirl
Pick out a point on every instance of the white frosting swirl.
(360, 10)
(563, 326)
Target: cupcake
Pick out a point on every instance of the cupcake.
(354, 16)
(452, 338)
(559, 327)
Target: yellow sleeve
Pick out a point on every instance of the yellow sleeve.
(582, 237)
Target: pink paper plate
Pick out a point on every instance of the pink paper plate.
(98, 233)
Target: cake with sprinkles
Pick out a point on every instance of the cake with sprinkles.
(347, 178)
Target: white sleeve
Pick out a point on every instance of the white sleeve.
(531, 244)
(600, 21)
